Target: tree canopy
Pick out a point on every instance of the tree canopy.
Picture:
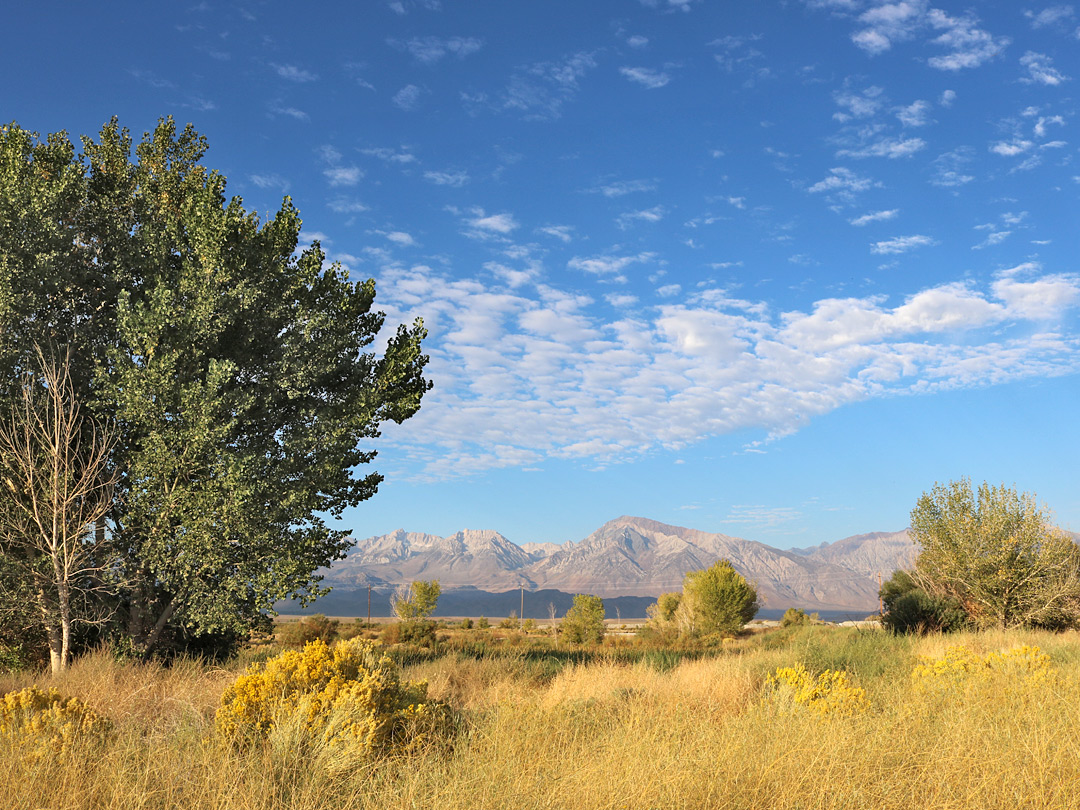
(995, 551)
(236, 374)
(717, 599)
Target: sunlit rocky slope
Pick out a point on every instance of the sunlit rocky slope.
(631, 556)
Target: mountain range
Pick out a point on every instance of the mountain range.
(629, 556)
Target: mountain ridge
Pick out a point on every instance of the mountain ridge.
(630, 556)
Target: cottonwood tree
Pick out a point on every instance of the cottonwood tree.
(717, 599)
(417, 600)
(584, 621)
(57, 489)
(996, 552)
(238, 371)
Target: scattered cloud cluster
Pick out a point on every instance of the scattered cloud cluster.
(532, 372)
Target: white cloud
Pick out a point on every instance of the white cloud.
(277, 108)
(622, 188)
(540, 90)
(561, 232)
(343, 175)
(606, 265)
(501, 224)
(654, 214)
(453, 179)
(1040, 125)
(949, 168)
(858, 105)
(400, 238)
(390, 155)
(992, 238)
(637, 41)
(1017, 146)
(888, 23)
(1040, 71)
(407, 98)
(669, 290)
(901, 244)
(1050, 16)
(430, 50)
(947, 98)
(891, 148)
(841, 179)
(646, 77)
(343, 205)
(530, 372)
(916, 114)
(874, 216)
(294, 74)
(275, 181)
(969, 45)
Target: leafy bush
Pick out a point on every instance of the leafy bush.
(794, 617)
(348, 696)
(910, 609)
(43, 724)
(584, 622)
(466, 624)
(830, 693)
(511, 622)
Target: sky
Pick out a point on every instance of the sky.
(770, 269)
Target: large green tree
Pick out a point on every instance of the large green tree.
(996, 552)
(717, 599)
(237, 375)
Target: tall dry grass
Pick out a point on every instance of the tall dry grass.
(601, 735)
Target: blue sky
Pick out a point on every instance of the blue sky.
(764, 268)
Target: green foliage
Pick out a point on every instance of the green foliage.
(466, 623)
(529, 625)
(910, 609)
(483, 623)
(511, 622)
(663, 611)
(584, 621)
(417, 601)
(717, 599)
(236, 369)
(349, 696)
(793, 617)
(996, 553)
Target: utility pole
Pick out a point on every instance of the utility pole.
(521, 616)
(880, 606)
(369, 604)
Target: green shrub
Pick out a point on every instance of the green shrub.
(910, 609)
(306, 630)
(466, 624)
(794, 617)
(584, 622)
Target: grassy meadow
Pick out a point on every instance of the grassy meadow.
(617, 726)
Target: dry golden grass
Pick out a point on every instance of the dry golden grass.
(600, 735)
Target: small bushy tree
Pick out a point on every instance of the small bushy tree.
(416, 601)
(907, 608)
(717, 599)
(584, 622)
(995, 551)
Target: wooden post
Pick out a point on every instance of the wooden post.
(521, 616)
(880, 605)
(369, 604)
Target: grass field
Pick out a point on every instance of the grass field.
(615, 727)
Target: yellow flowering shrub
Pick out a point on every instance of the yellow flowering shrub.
(961, 668)
(830, 693)
(349, 695)
(42, 723)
